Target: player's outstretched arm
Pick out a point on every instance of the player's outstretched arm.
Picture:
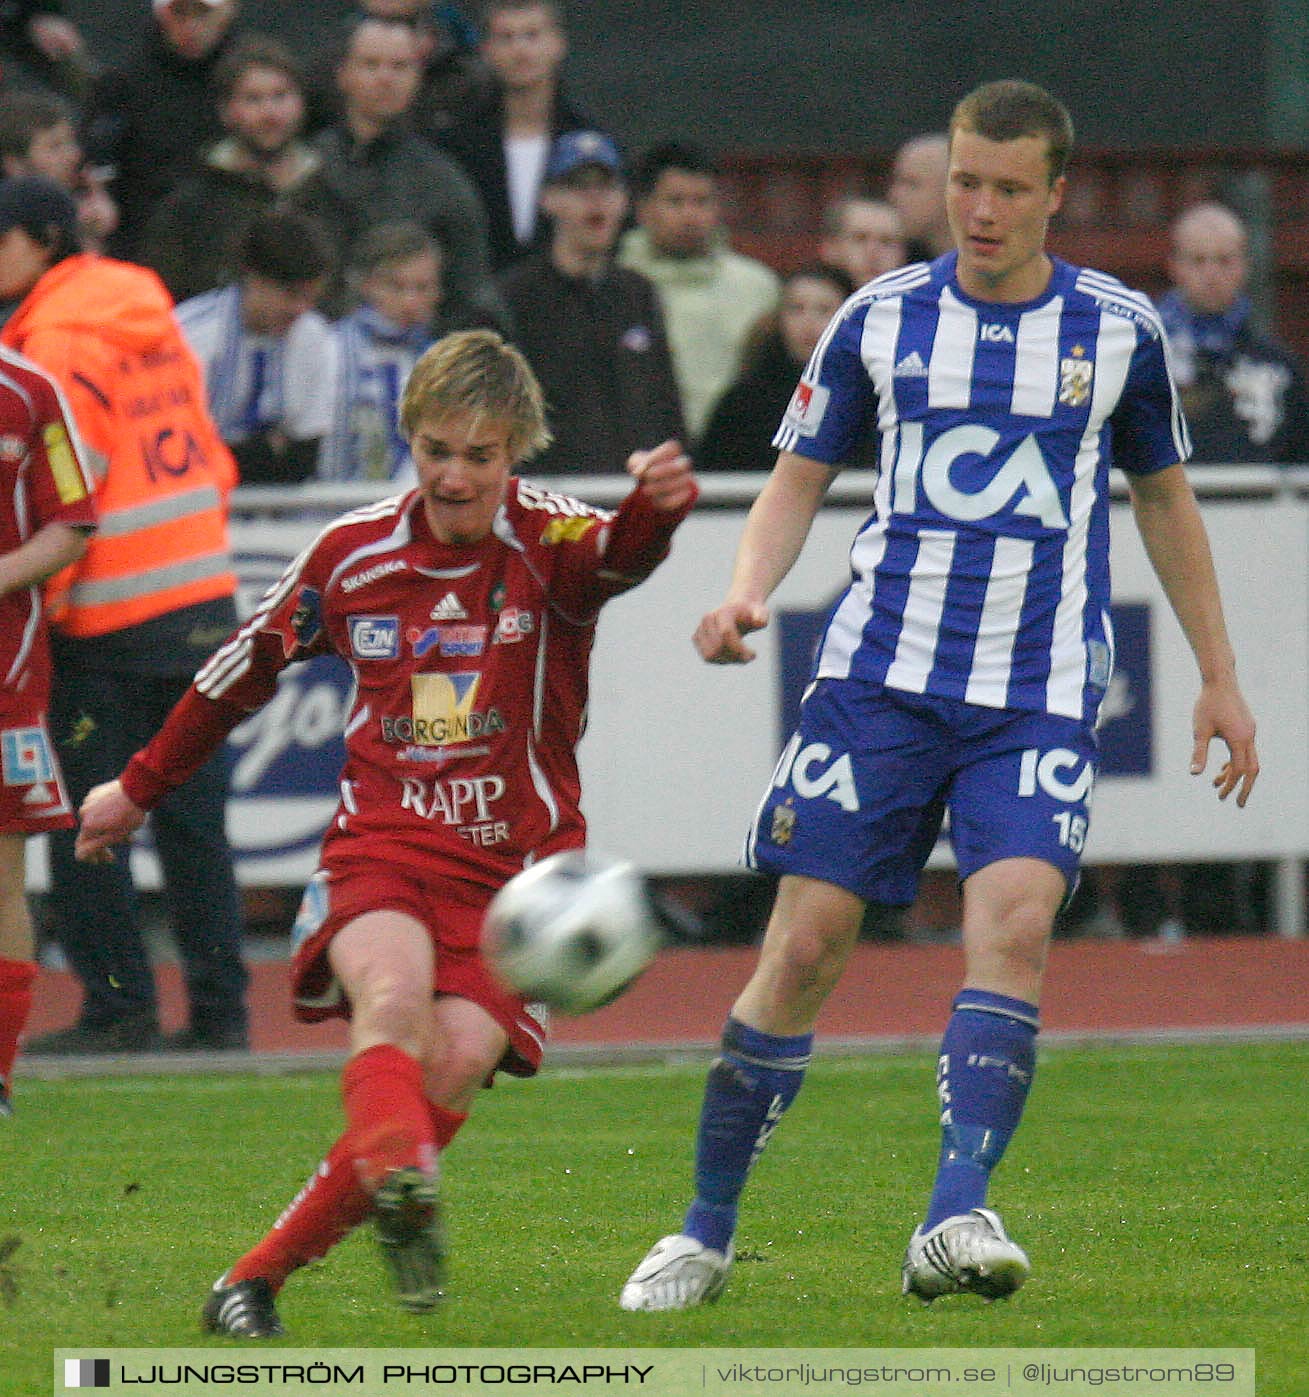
(1178, 547)
(775, 531)
(107, 817)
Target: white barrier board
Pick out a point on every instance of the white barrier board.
(677, 753)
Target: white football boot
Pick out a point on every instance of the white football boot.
(970, 1253)
(677, 1272)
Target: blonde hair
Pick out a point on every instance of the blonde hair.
(476, 372)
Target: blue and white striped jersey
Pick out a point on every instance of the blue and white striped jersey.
(983, 572)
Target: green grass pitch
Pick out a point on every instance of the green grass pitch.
(1160, 1191)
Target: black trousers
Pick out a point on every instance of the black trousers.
(98, 719)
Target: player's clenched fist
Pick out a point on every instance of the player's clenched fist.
(720, 635)
(665, 475)
(107, 818)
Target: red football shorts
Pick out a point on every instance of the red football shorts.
(32, 794)
(452, 911)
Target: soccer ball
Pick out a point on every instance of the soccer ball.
(572, 931)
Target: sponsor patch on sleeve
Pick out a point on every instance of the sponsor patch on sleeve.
(567, 530)
(808, 406)
(63, 464)
(306, 620)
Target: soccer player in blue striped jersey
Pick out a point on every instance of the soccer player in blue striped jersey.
(961, 671)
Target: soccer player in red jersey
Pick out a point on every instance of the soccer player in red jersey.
(466, 610)
(46, 513)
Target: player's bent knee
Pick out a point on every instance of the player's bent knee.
(390, 1000)
(814, 952)
(1026, 942)
(453, 1070)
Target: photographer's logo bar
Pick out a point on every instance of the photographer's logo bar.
(86, 1372)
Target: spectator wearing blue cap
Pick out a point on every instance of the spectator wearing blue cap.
(592, 331)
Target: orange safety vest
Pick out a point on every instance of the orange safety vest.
(106, 331)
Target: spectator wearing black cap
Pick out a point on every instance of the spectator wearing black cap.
(269, 357)
(591, 330)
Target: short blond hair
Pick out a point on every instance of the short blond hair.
(476, 372)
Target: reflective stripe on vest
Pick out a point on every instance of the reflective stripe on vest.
(133, 518)
(157, 556)
(149, 581)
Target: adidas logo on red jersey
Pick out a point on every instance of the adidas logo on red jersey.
(449, 608)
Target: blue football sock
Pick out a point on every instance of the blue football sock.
(750, 1085)
(984, 1072)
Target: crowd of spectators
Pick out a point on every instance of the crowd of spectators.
(431, 130)
(318, 220)
(454, 181)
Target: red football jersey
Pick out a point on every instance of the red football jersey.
(44, 479)
(471, 673)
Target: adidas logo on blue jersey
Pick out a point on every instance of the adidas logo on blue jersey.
(911, 366)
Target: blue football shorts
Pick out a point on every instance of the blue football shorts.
(860, 792)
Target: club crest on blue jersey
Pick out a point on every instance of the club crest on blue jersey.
(1075, 376)
(374, 637)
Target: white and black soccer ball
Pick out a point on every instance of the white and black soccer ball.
(573, 931)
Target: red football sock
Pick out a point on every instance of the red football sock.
(386, 1113)
(329, 1206)
(445, 1123)
(16, 978)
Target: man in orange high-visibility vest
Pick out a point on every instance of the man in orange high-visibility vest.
(132, 620)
